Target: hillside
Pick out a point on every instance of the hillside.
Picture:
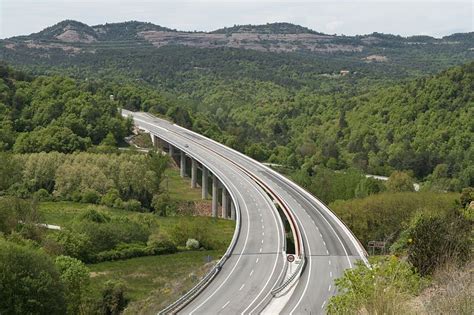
(282, 52)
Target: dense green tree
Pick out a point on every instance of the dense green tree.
(74, 276)
(29, 282)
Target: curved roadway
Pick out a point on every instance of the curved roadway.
(257, 263)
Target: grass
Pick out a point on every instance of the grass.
(180, 188)
(155, 281)
(152, 282)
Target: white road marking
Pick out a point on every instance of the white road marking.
(261, 249)
(329, 262)
(324, 303)
(263, 233)
(329, 289)
(226, 304)
(243, 285)
(327, 252)
(262, 241)
(251, 273)
(330, 274)
(256, 261)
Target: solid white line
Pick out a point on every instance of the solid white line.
(226, 304)
(236, 263)
(309, 268)
(243, 285)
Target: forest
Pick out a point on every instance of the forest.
(409, 119)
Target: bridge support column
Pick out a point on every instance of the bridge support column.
(204, 182)
(225, 204)
(232, 210)
(182, 164)
(154, 141)
(193, 173)
(171, 150)
(215, 188)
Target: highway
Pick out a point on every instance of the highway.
(257, 264)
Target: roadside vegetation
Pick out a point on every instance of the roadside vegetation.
(427, 268)
(131, 236)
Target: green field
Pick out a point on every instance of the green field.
(155, 281)
(180, 188)
(151, 282)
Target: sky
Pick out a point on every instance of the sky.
(349, 17)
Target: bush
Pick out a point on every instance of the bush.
(400, 182)
(122, 251)
(90, 196)
(132, 205)
(93, 215)
(113, 297)
(74, 276)
(107, 234)
(380, 290)
(74, 244)
(110, 197)
(163, 205)
(42, 195)
(191, 243)
(384, 216)
(437, 240)
(161, 244)
(192, 229)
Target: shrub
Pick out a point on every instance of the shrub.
(191, 243)
(74, 276)
(113, 297)
(93, 215)
(90, 196)
(110, 197)
(400, 182)
(380, 290)
(74, 244)
(162, 204)
(42, 195)
(161, 244)
(132, 205)
(436, 240)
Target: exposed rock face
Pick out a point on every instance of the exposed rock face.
(254, 41)
(73, 36)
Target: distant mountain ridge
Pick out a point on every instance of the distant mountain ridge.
(73, 37)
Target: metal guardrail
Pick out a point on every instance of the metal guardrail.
(291, 278)
(188, 296)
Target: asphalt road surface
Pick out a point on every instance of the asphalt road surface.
(257, 263)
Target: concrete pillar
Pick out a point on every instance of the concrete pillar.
(225, 204)
(193, 173)
(183, 164)
(152, 136)
(171, 150)
(204, 182)
(215, 188)
(232, 210)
